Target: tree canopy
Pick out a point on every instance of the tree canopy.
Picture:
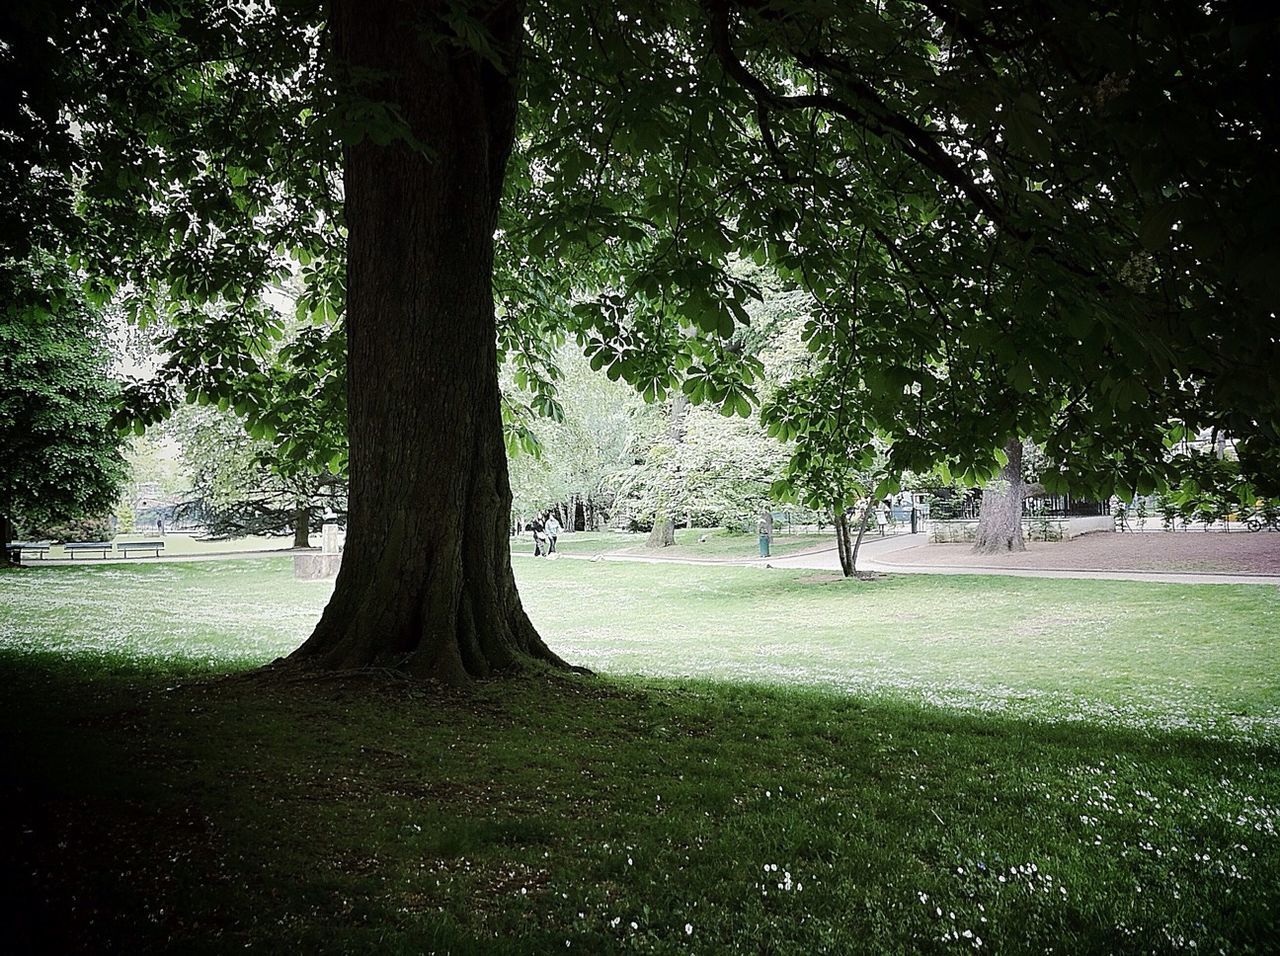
(1040, 220)
(61, 458)
(1050, 221)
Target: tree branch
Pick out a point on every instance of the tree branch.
(869, 111)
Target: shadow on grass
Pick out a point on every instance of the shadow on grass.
(176, 809)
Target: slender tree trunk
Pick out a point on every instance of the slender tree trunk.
(426, 583)
(862, 530)
(1000, 520)
(843, 547)
(302, 526)
(6, 535)
(663, 534)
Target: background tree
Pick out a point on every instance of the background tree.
(1000, 518)
(836, 464)
(156, 481)
(61, 456)
(239, 485)
(577, 452)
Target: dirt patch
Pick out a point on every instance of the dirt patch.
(835, 577)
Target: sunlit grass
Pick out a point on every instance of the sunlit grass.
(1128, 653)
(698, 543)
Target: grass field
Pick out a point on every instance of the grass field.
(719, 543)
(776, 762)
(186, 544)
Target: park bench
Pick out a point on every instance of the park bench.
(37, 549)
(155, 547)
(104, 547)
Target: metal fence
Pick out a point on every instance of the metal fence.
(949, 505)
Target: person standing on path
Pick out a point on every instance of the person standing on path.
(882, 517)
(536, 527)
(553, 531)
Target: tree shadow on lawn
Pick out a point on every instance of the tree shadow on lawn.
(166, 810)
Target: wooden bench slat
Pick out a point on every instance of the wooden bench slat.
(76, 546)
(37, 549)
(154, 546)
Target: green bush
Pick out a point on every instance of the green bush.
(83, 529)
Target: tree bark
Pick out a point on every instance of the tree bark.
(302, 526)
(1000, 520)
(846, 548)
(862, 530)
(841, 521)
(426, 584)
(663, 534)
(6, 533)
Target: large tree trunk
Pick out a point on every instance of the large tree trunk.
(1000, 520)
(302, 526)
(426, 583)
(663, 534)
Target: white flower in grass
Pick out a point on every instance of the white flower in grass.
(688, 929)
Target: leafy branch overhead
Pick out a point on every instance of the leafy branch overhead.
(1006, 221)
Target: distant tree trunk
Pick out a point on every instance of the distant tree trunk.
(1000, 520)
(663, 534)
(426, 584)
(579, 515)
(302, 526)
(6, 535)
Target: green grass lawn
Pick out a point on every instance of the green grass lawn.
(186, 544)
(719, 543)
(776, 762)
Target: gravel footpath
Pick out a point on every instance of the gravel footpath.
(1171, 552)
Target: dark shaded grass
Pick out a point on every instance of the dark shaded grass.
(170, 808)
